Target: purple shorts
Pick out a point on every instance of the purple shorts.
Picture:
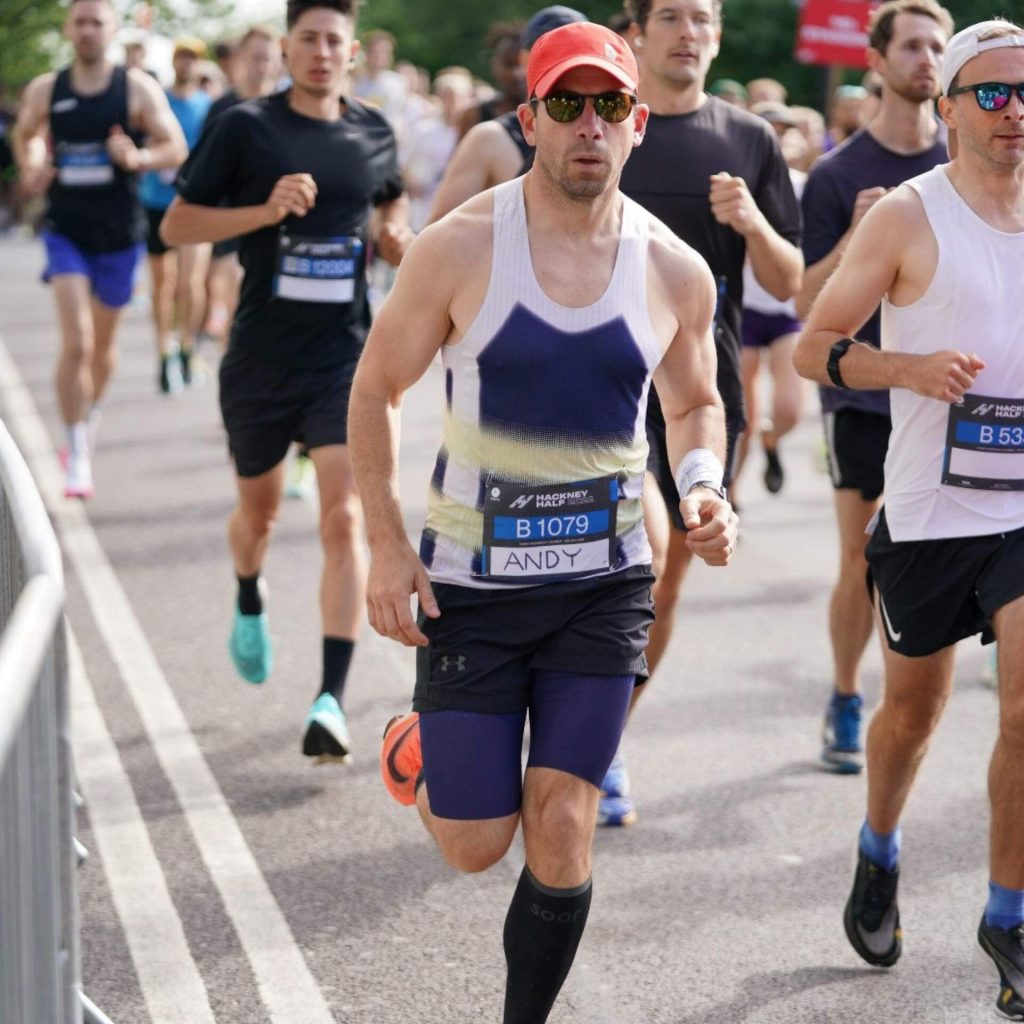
(111, 274)
(762, 329)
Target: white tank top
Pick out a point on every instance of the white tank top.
(958, 471)
(541, 466)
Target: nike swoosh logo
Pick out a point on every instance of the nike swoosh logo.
(392, 767)
(893, 635)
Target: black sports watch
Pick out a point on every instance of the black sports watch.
(835, 353)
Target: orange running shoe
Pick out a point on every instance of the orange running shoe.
(401, 759)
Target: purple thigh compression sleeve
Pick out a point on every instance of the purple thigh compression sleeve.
(576, 721)
(472, 763)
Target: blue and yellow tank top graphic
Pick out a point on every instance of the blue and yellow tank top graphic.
(541, 466)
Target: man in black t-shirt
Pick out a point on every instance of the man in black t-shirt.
(714, 174)
(907, 39)
(302, 171)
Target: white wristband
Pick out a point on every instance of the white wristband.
(699, 465)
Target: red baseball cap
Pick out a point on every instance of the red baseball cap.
(583, 44)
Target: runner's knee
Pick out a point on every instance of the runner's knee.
(339, 525)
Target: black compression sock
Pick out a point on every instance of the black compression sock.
(249, 600)
(337, 656)
(543, 927)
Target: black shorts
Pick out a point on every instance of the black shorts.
(154, 243)
(660, 468)
(226, 247)
(266, 406)
(856, 443)
(486, 642)
(933, 593)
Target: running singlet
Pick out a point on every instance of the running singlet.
(510, 122)
(958, 471)
(157, 191)
(303, 300)
(827, 202)
(92, 201)
(542, 460)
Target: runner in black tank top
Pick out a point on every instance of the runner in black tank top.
(484, 157)
(97, 115)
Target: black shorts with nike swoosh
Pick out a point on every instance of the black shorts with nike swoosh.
(933, 593)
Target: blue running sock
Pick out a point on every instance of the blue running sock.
(883, 850)
(1005, 908)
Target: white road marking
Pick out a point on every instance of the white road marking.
(285, 983)
(168, 976)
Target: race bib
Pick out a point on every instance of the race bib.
(317, 269)
(84, 165)
(985, 444)
(549, 532)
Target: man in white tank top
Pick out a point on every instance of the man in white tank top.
(552, 300)
(946, 558)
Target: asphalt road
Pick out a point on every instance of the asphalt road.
(229, 881)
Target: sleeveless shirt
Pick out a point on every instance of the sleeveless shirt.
(92, 201)
(542, 396)
(958, 471)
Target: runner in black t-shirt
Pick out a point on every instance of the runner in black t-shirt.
(715, 175)
(903, 140)
(303, 171)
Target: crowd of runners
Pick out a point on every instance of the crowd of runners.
(647, 253)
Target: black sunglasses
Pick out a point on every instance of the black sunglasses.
(991, 95)
(566, 106)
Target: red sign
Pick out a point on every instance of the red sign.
(833, 32)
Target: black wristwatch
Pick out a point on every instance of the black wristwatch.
(835, 353)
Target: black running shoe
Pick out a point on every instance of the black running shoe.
(872, 918)
(1006, 948)
(773, 474)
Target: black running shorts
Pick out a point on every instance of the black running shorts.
(933, 593)
(266, 406)
(487, 641)
(154, 243)
(856, 443)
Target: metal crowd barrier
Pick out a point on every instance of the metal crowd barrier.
(38, 896)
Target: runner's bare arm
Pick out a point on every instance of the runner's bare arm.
(407, 334)
(871, 267)
(29, 143)
(819, 272)
(694, 415)
(165, 141)
(186, 222)
(486, 156)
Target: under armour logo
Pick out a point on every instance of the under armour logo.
(456, 661)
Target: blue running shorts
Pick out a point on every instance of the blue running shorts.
(111, 274)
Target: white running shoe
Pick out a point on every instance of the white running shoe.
(78, 477)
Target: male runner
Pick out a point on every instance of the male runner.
(714, 174)
(302, 170)
(906, 39)
(177, 276)
(533, 574)
(946, 557)
(496, 150)
(96, 115)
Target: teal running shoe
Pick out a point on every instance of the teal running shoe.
(250, 647)
(615, 808)
(326, 739)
